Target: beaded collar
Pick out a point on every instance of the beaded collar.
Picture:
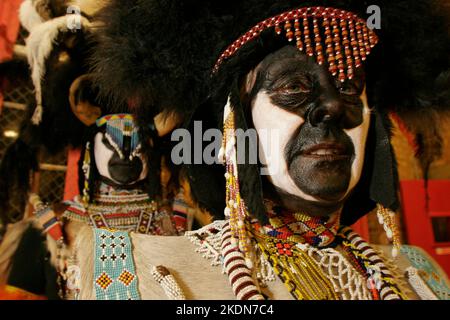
(308, 272)
(299, 227)
(128, 210)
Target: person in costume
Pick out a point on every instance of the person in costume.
(314, 73)
(119, 170)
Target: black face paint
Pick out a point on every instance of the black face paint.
(319, 154)
(124, 171)
(297, 84)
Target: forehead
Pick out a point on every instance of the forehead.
(288, 57)
(290, 60)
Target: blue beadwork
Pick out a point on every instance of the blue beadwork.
(435, 279)
(114, 270)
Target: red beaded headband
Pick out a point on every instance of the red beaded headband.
(342, 29)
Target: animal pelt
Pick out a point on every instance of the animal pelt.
(195, 275)
(197, 278)
(34, 12)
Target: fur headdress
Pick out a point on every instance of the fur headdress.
(157, 55)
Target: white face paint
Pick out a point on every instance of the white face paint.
(103, 155)
(268, 117)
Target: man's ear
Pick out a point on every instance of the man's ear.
(166, 122)
(82, 100)
(250, 80)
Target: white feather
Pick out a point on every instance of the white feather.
(29, 17)
(39, 46)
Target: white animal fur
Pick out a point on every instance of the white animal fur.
(29, 17)
(39, 46)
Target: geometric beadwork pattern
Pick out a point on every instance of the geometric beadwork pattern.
(428, 272)
(333, 36)
(114, 271)
(119, 126)
(298, 227)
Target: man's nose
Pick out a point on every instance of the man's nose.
(126, 147)
(329, 109)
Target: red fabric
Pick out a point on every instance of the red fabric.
(362, 228)
(419, 230)
(71, 187)
(9, 29)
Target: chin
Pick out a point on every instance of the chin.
(325, 178)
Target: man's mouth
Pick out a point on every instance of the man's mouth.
(327, 151)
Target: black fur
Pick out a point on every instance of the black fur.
(158, 53)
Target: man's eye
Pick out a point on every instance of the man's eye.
(349, 89)
(294, 89)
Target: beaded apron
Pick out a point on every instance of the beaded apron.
(114, 271)
(115, 276)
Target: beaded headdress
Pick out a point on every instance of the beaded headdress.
(337, 37)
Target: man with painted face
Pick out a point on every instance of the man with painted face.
(115, 185)
(316, 83)
(119, 169)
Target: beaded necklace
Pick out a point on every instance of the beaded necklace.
(285, 242)
(126, 210)
(299, 227)
(278, 243)
(298, 271)
(307, 271)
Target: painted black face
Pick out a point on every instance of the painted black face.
(123, 170)
(318, 152)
